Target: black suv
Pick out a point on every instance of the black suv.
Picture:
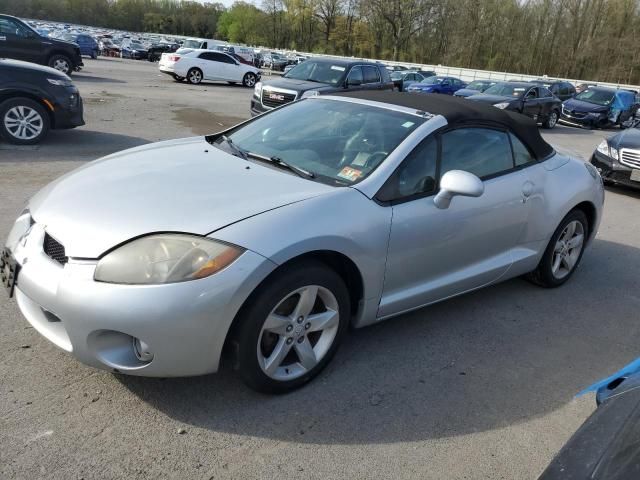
(319, 76)
(35, 99)
(21, 42)
(561, 89)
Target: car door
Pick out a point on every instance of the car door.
(355, 79)
(547, 102)
(19, 42)
(436, 253)
(371, 78)
(531, 103)
(232, 68)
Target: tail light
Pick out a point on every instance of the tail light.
(174, 58)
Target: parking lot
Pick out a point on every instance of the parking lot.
(479, 387)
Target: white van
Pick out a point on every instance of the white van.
(200, 44)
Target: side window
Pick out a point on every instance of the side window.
(481, 151)
(415, 176)
(227, 59)
(11, 27)
(571, 90)
(204, 45)
(544, 93)
(205, 56)
(355, 75)
(532, 93)
(521, 154)
(370, 74)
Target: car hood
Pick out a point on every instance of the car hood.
(583, 107)
(481, 97)
(298, 85)
(422, 86)
(60, 43)
(183, 185)
(629, 138)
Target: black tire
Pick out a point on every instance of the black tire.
(543, 274)
(264, 300)
(249, 80)
(61, 63)
(194, 76)
(94, 55)
(43, 120)
(552, 120)
(177, 78)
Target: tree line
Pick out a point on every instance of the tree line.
(584, 39)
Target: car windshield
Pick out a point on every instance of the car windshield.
(597, 97)
(321, 72)
(506, 90)
(135, 44)
(191, 44)
(432, 80)
(338, 142)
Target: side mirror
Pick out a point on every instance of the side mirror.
(457, 182)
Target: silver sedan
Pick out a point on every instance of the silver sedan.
(268, 240)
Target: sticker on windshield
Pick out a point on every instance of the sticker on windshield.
(336, 67)
(408, 124)
(350, 174)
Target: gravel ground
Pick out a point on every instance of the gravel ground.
(479, 387)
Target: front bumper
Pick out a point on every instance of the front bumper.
(68, 113)
(256, 107)
(613, 171)
(184, 324)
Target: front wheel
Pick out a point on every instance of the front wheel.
(194, 76)
(564, 251)
(291, 327)
(23, 121)
(551, 120)
(61, 63)
(249, 79)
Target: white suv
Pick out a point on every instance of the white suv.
(199, 65)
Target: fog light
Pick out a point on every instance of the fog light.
(141, 350)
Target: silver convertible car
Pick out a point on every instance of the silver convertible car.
(270, 239)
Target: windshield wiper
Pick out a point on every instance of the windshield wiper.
(301, 172)
(237, 151)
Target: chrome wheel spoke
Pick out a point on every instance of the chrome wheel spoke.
(322, 321)
(306, 302)
(277, 324)
(556, 263)
(576, 241)
(279, 353)
(305, 353)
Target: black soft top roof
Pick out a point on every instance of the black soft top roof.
(458, 111)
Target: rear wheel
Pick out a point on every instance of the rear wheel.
(551, 120)
(194, 76)
(564, 251)
(23, 121)
(62, 63)
(291, 327)
(249, 79)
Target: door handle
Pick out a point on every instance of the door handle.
(527, 190)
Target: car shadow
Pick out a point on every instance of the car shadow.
(486, 360)
(623, 190)
(82, 78)
(74, 144)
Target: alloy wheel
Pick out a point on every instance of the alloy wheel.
(250, 80)
(567, 249)
(23, 123)
(553, 119)
(195, 76)
(298, 333)
(61, 65)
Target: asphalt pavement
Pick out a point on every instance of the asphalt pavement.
(479, 387)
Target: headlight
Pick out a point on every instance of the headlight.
(595, 114)
(310, 93)
(502, 105)
(603, 148)
(165, 258)
(20, 228)
(613, 153)
(60, 82)
(257, 90)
